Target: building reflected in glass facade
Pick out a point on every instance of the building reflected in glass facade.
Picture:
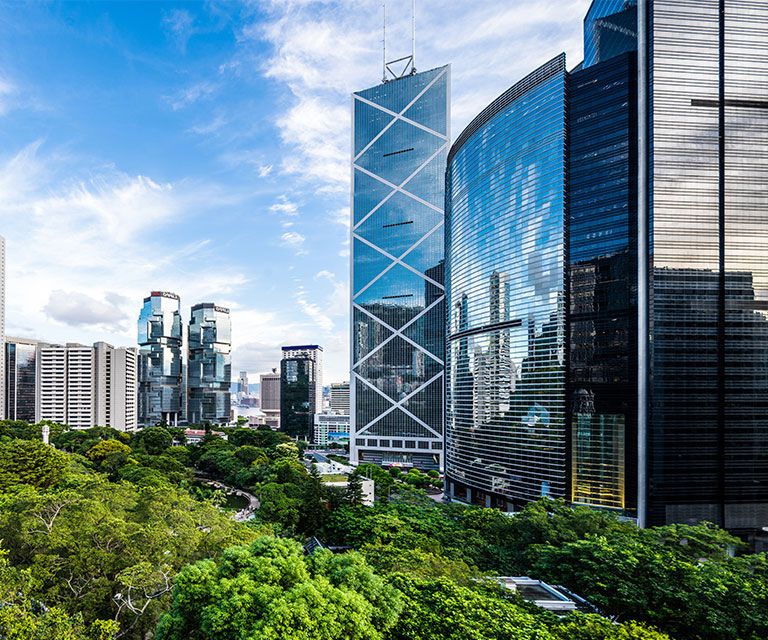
(400, 144)
(707, 209)
(160, 360)
(20, 379)
(663, 409)
(506, 431)
(602, 257)
(209, 365)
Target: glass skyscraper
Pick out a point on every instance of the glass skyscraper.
(506, 432)
(301, 389)
(209, 365)
(400, 144)
(704, 110)
(160, 363)
(661, 414)
(20, 379)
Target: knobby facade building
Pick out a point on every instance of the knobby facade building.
(400, 143)
(209, 365)
(606, 273)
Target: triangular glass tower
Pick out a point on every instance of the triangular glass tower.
(400, 144)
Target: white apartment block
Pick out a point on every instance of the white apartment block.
(85, 387)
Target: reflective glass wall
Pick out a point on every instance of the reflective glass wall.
(505, 281)
(602, 326)
(20, 380)
(301, 384)
(209, 367)
(708, 428)
(400, 144)
(160, 338)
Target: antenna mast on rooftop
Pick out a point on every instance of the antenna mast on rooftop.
(405, 66)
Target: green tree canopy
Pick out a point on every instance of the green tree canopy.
(30, 462)
(269, 591)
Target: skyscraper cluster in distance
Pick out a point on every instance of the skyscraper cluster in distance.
(172, 391)
(570, 301)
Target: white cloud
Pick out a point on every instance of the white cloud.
(8, 91)
(293, 239)
(285, 207)
(323, 51)
(72, 242)
(191, 95)
(265, 170)
(78, 309)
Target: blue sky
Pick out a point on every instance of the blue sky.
(203, 148)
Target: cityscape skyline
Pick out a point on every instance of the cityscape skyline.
(75, 174)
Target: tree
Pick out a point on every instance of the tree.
(106, 448)
(314, 503)
(353, 496)
(268, 591)
(153, 440)
(30, 462)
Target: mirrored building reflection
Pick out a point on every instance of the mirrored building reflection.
(209, 366)
(160, 359)
(400, 143)
(665, 251)
(506, 432)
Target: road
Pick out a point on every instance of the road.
(243, 514)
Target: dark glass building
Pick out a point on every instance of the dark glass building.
(400, 143)
(703, 241)
(209, 366)
(602, 267)
(160, 364)
(20, 379)
(662, 414)
(506, 431)
(301, 390)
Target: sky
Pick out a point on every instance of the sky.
(203, 148)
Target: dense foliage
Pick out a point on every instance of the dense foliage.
(107, 533)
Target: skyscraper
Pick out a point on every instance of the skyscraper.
(506, 435)
(209, 366)
(87, 386)
(269, 397)
(242, 383)
(650, 399)
(20, 378)
(400, 143)
(160, 362)
(301, 389)
(703, 273)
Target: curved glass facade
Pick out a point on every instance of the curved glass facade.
(400, 144)
(505, 282)
(160, 387)
(209, 368)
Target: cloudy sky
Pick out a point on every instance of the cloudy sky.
(203, 148)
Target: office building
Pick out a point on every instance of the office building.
(506, 432)
(242, 384)
(20, 378)
(331, 429)
(161, 394)
(84, 386)
(400, 142)
(209, 366)
(339, 398)
(269, 397)
(301, 389)
(650, 399)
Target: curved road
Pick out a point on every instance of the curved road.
(253, 501)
